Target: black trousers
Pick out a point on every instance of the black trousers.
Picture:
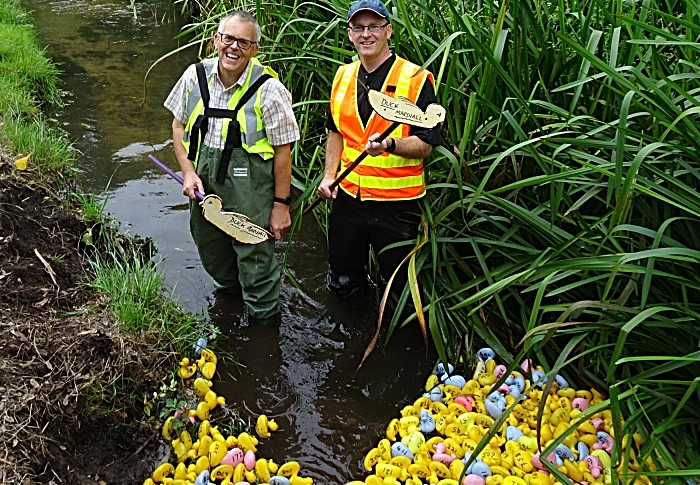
(356, 225)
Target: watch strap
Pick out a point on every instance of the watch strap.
(284, 200)
(392, 147)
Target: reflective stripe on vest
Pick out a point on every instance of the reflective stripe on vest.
(386, 176)
(253, 136)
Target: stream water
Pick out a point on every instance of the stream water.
(301, 373)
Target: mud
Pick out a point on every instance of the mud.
(61, 355)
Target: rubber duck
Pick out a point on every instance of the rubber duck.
(572, 471)
(186, 369)
(279, 480)
(182, 447)
(499, 470)
(426, 422)
(528, 443)
(297, 480)
(512, 433)
(494, 480)
(435, 394)
(411, 410)
(263, 426)
(202, 411)
(539, 378)
(201, 465)
(202, 386)
(595, 465)
(393, 429)
(603, 457)
(222, 472)
(290, 469)
(414, 441)
(604, 442)
(402, 462)
(441, 369)
(249, 460)
(485, 354)
(168, 429)
(467, 402)
(456, 468)
(202, 446)
(213, 400)
(162, 473)
(479, 468)
(203, 478)
(400, 449)
(371, 459)
(579, 404)
(495, 404)
(537, 478)
(523, 460)
(386, 470)
(561, 382)
(471, 479)
(451, 391)
(439, 469)
(455, 380)
(441, 456)
(233, 457)
(454, 447)
(432, 381)
(247, 443)
(513, 480)
(262, 472)
(384, 447)
(217, 452)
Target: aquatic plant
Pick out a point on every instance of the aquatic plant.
(562, 213)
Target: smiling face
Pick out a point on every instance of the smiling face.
(232, 59)
(372, 47)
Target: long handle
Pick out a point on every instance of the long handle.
(167, 170)
(352, 166)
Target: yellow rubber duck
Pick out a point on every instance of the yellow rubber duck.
(247, 442)
(186, 369)
(182, 474)
(162, 473)
(168, 429)
(289, 469)
(217, 452)
(262, 472)
(261, 427)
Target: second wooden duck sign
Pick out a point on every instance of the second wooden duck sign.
(401, 110)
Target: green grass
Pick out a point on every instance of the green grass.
(29, 83)
(135, 291)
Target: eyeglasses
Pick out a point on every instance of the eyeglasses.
(243, 44)
(359, 29)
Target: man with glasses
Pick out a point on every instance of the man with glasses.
(232, 132)
(377, 204)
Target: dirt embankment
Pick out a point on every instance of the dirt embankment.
(61, 357)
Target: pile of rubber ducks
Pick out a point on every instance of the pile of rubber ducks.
(214, 458)
(434, 439)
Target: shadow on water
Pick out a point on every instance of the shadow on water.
(299, 370)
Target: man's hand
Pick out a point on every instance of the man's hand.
(324, 188)
(280, 220)
(375, 148)
(192, 182)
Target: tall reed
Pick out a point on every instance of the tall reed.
(562, 211)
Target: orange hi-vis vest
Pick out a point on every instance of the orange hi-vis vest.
(387, 176)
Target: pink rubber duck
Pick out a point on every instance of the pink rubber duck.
(441, 456)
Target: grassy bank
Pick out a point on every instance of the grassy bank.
(562, 212)
(88, 329)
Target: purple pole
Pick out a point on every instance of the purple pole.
(167, 170)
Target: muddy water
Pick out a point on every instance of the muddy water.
(299, 371)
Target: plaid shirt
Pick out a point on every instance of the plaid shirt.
(275, 100)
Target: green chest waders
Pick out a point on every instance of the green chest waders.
(246, 184)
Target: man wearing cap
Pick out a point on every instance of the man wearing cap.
(377, 204)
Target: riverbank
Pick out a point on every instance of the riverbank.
(75, 379)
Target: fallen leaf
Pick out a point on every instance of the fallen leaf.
(21, 164)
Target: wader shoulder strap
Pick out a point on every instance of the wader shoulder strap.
(233, 137)
(201, 124)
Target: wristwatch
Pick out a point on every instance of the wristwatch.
(286, 200)
(392, 147)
